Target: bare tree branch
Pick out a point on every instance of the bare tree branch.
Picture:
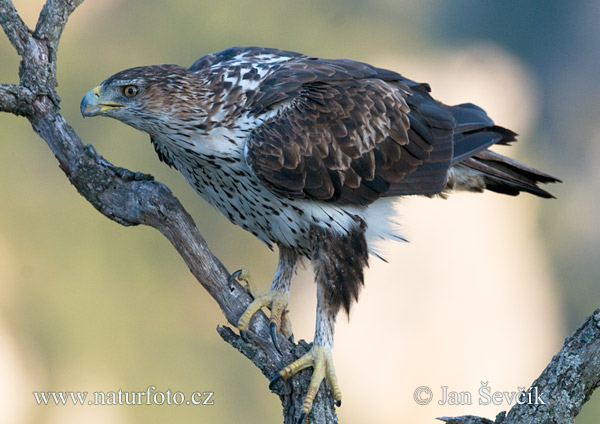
(52, 21)
(559, 393)
(568, 381)
(131, 198)
(468, 419)
(53, 18)
(14, 27)
(16, 99)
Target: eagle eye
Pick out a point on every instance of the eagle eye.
(130, 90)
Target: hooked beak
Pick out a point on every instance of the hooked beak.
(92, 104)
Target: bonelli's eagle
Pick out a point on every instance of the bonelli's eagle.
(308, 154)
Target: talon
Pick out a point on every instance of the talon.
(235, 275)
(274, 380)
(273, 328)
(302, 418)
(244, 336)
(320, 359)
(243, 277)
(276, 301)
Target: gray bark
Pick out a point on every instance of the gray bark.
(563, 387)
(132, 198)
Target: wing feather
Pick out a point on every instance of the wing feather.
(346, 131)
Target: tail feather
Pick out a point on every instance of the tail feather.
(469, 117)
(475, 168)
(475, 131)
(472, 167)
(468, 144)
(508, 176)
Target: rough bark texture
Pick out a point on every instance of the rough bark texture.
(132, 198)
(564, 386)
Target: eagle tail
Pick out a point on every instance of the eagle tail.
(501, 174)
(475, 131)
(475, 168)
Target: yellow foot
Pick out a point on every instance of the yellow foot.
(275, 300)
(320, 359)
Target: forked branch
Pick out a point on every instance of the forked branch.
(131, 198)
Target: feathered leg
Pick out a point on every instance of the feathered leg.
(338, 261)
(319, 357)
(276, 299)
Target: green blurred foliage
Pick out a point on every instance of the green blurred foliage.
(83, 292)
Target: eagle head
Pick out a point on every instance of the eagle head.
(147, 97)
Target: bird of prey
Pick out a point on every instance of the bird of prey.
(308, 154)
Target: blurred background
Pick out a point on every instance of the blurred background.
(486, 291)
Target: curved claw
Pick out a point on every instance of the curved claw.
(243, 277)
(276, 301)
(320, 359)
(244, 336)
(235, 275)
(273, 329)
(274, 380)
(302, 418)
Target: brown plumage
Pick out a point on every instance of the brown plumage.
(307, 153)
